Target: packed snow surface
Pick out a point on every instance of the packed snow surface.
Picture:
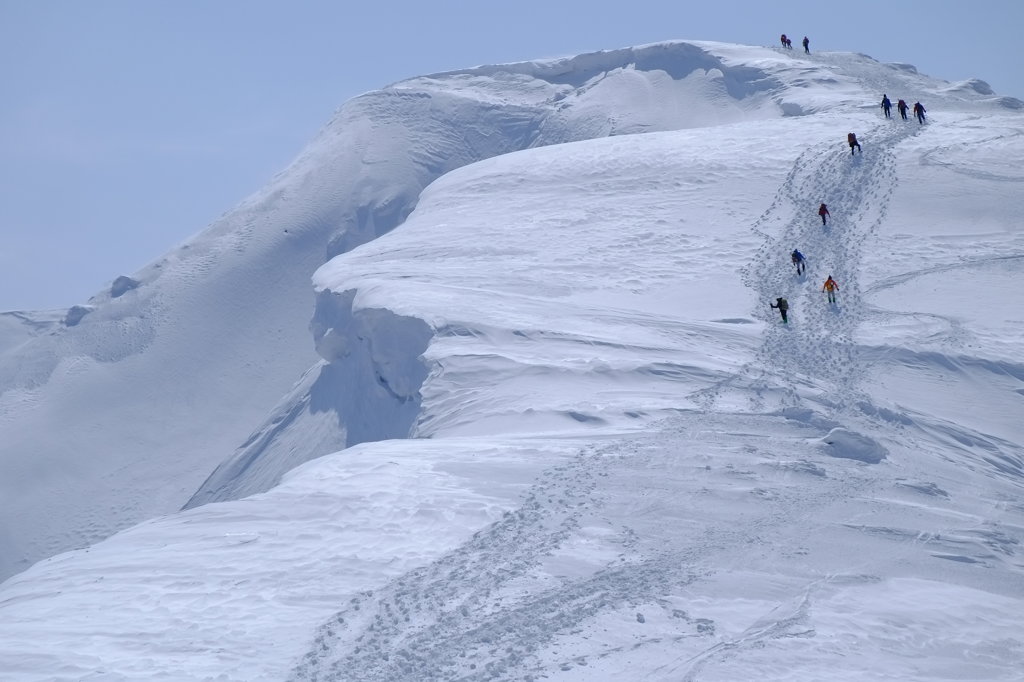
(552, 429)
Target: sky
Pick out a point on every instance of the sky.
(129, 126)
(552, 428)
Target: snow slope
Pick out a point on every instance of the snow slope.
(623, 466)
(121, 414)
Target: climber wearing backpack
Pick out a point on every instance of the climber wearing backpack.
(799, 261)
(783, 305)
(902, 106)
(851, 139)
(823, 209)
(919, 112)
(886, 105)
(831, 287)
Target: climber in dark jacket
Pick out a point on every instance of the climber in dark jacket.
(799, 261)
(851, 138)
(783, 305)
(919, 112)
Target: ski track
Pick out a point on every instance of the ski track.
(488, 611)
(784, 621)
(954, 333)
(438, 621)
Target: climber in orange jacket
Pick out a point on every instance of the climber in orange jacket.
(831, 287)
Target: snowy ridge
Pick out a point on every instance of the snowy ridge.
(622, 465)
(786, 85)
(497, 109)
(439, 622)
(230, 307)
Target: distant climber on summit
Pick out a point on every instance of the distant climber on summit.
(823, 209)
(831, 287)
(851, 139)
(799, 261)
(886, 105)
(783, 305)
(919, 112)
(902, 106)
(783, 39)
(807, 45)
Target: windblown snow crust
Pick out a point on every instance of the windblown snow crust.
(573, 442)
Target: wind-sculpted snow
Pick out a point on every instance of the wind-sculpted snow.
(443, 121)
(850, 445)
(17, 328)
(601, 573)
(366, 389)
(533, 620)
(229, 307)
(604, 456)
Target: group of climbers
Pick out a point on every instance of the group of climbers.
(782, 305)
(788, 44)
(830, 287)
(799, 261)
(902, 107)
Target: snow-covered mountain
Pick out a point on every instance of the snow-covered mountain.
(572, 440)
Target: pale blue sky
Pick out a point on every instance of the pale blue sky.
(127, 126)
